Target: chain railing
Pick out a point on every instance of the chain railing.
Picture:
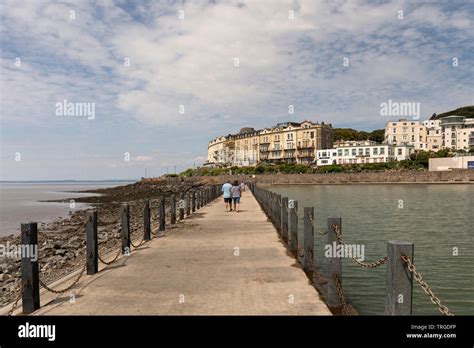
(340, 293)
(426, 288)
(19, 291)
(62, 291)
(335, 294)
(315, 225)
(33, 235)
(340, 238)
(111, 261)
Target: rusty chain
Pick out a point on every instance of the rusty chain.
(139, 244)
(66, 289)
(19, 291)
(375, 264)
(340, 293)
(112, 261)
(426, 288)
(315, 226)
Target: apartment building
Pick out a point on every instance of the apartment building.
(456, 131)
(360, 152)
(289, 142)
(403, 132)
(434, 135)
(450, 132)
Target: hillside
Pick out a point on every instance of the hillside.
(467, 111)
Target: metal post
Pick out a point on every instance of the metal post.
(335, 262)
(173, 208)
(284, 219)
(293, 228)
(399, 283)
(198, 199)
(308, 253)
(92, 246)
(146, 221)
(162, 214)
(193, 201)
(125, 229)
(29, 269)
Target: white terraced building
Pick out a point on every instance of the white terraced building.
(359, 152)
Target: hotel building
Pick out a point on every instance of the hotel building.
(289, 142)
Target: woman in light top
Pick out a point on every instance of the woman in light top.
(235, 191)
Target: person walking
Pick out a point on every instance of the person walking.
(226, 189)
(235, 192)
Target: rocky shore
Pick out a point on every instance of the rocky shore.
(61, 243)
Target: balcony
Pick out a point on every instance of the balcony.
(305, 147)
(306, 155)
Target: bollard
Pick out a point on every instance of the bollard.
(173, 208)
(193, 201)
(308, 243)
(92, 246)
(30, 296)
(162, 214)
(146, 221)
(125, 229)
(293, 228)
(188, 204)
(278, 213)
(334, 264)
(182, 206)
(399, 282)
(284, 219)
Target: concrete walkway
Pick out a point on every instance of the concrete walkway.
(214, 262)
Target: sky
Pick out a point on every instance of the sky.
(165, 77)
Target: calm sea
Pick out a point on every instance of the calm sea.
(19, 202)
(439, 219)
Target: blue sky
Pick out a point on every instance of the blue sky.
(190, 62)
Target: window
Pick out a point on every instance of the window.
(353, 152)
(404, 129)
(412, 138)
(346, 152)
(404, 137)
(382, 151)
(412, 130)
(339, 152)
(361, 152)
(367, 151)
(394, 139)
(399, 152)
(312, 135)
(375, 151)
(394, 130)
(334, 154)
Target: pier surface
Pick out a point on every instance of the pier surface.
(212, 263)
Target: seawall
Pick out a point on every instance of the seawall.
(395, 177)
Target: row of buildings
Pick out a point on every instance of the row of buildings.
(313, 143)
(450, 132)
(289, 142)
